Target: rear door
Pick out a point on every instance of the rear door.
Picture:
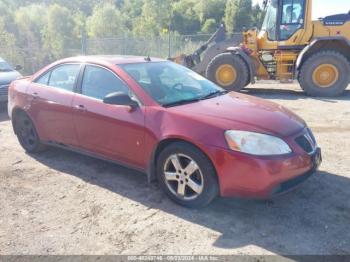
(112, 131)
(51, 98)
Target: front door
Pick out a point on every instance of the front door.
(112, 131)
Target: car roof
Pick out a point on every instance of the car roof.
(2, 60)
(114, 59)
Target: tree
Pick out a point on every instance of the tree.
(209, 26)
(207, 9)
(131, 9)
(156, 15)
(185, 19)
(230, 14)
(41, 31)
(7, 43)
(257, 16)
(30, 21)
(7, 39)
(238, 15)
(106, 21)
(243, 17)
(7, 16)
(58, 33)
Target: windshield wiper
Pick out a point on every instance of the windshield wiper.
(182, 102)
(214, 94)
(193, 100)
(5, 70)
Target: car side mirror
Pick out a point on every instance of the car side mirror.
(18, 67)
(120, 99)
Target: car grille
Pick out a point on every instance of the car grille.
(4, 90)
(307, 141)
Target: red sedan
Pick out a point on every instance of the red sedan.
(163, 119)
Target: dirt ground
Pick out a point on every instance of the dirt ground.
(65, 203)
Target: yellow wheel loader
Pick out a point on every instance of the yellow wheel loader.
(289, 46)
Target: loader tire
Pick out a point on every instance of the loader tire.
(325, 74)
(228, 71)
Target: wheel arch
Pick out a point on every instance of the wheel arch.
(15, 112)
(335, 43)
(151, 172)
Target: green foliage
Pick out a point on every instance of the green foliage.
(154, 18)
(209, 26)
(33, 20)
(257, 15)
(35, 32)
(30, 22)
(7, 17)
(105, 21)
(243, 18)
(207, 9)
(185, 19)
(8, 43)
(58, 33)
(230, 14)
(6, 39)
(239, 15)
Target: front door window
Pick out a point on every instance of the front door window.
(99, 82)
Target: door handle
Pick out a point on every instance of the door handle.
(80, 107)
(35, 95)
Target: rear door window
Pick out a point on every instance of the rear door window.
(44, 80)
(64, 77)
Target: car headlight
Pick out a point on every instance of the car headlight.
(256, 143)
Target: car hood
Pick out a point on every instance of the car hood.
(8, 77)
(243, 112)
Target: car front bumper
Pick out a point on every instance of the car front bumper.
(242, 175)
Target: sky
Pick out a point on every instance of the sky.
(323, 8)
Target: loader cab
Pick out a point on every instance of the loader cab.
(283, 19)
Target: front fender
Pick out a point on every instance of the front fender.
(239, 51)
(317, 43)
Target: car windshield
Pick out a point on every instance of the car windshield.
(5, 67)
(171, 84)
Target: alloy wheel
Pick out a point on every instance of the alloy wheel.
(183, 177)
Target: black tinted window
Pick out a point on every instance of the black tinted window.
(99, 82)
(64, 77)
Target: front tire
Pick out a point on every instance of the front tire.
(228, 71)
(186, 175)
(27, 134)
(325, 74)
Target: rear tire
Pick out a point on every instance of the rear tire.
(187, 175)
(325, 74)
(27, 134)
(228, 71)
